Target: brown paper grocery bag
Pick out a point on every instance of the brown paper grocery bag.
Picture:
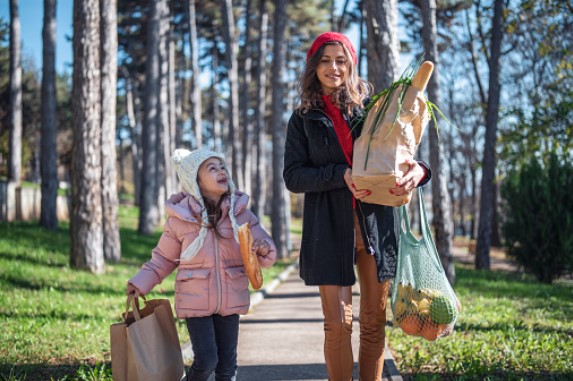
(385, 145)
(145, 346)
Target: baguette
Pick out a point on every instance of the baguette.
(250, 260)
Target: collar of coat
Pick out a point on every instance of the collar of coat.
(184, 206)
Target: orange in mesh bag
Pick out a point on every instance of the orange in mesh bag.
(394, 126)
(423, 301)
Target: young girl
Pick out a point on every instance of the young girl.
(200, 240)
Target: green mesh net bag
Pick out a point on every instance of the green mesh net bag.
(423, 302)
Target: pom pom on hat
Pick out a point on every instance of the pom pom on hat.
(187, 165)
(329, 37)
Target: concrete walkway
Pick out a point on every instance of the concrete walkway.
(281, 339)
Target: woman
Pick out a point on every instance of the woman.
(338, 229)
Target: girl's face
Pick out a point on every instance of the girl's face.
(332, 68)
(213, 179)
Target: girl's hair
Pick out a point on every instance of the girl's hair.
(349, 96)
(214, 212)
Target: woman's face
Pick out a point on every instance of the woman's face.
(213, 179)
(332, 68)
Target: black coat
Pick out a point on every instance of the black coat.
(314, 164)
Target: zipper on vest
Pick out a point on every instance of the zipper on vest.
(217, 275)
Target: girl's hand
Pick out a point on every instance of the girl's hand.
(261, 247)
(131, 289)
(358, 193)
(410, 180)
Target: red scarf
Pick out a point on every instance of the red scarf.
(340, 128)
(342, 132)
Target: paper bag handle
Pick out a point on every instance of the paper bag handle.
(133, 300)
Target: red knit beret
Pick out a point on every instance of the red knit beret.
(328, 37)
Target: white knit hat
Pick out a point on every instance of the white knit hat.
(187, 165)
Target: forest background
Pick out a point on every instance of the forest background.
(223, 75)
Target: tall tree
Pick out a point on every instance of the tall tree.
(232, 75)
(259, 183)
(49, 160)
(15, 155)
(383, 42)
(86, 219)
(245, 103)
(279, 230)
(164, 156)
(196, 105)
(489, 159)
(110, 202)
(440, 199)
(149, 214)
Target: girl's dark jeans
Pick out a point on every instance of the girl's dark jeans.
(214, 339)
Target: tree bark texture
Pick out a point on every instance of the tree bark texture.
(245, 103)
(110, 202)
(48, 144)
(196, 104)
(440, 199)
(163, 131)
(15, 149)
(383, 44)
(259, 186)
(278, 129)
(232, 74)
(489, 159)
(149, 208)
(86, 220)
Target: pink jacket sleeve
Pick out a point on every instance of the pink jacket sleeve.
(164, 259)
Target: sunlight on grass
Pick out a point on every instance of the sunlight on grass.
(56, 320)
(511, 327)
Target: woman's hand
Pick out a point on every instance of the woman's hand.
(131, 289)
(410, 180)
(358, 193)
(261, 247)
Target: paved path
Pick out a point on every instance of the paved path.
(281, 339)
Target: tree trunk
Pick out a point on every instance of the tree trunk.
(171, 175)
(86, 219)
(217, 136)
(489, 160)
(278, 130)
(164, 157)
(196, 105)
(440, 198)
(15, 155)
(110, 202)
(149, 209)
(383, 42)
(49, 151)
(231, 58)
(134, 136)
(259, 189)
(244, 104)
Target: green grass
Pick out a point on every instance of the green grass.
(511, 328)
(55, 320)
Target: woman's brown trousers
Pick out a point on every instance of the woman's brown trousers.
(337, 310)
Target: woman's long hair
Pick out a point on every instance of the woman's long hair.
(348, 97)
